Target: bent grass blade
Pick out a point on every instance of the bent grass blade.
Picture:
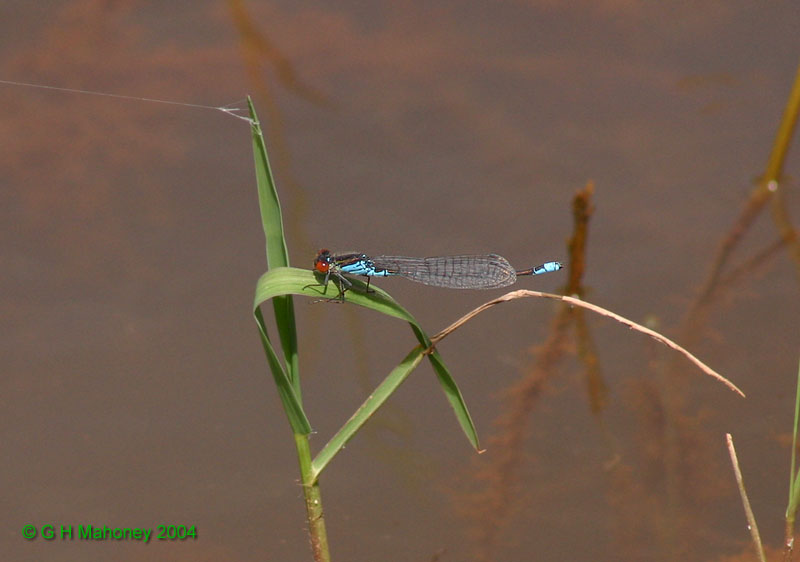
(524, 293)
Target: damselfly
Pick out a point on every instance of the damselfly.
(488, 271)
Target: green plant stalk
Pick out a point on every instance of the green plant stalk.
(794, 477)
(286, 375)
(313, 496)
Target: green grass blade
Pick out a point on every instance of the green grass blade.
(291, 402)
(450, 388)
(304, 282)
(367, 409)
(456, 399)
(271, 219)
(294, 281)
(794, 477)
(277, 255)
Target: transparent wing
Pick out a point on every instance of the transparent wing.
(487, 271)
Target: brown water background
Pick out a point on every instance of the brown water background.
(135, 391)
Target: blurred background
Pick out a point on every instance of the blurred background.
(135, 390)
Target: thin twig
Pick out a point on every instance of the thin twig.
(594, 308)
(751, 520)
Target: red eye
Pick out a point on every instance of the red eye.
(322, 263)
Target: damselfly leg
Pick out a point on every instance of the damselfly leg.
(342, 283)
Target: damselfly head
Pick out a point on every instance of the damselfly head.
(323, 261)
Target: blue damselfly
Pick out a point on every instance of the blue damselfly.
(487, 271)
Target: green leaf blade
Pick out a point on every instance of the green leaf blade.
(375, 400)
(289, 398)
(276, 251)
